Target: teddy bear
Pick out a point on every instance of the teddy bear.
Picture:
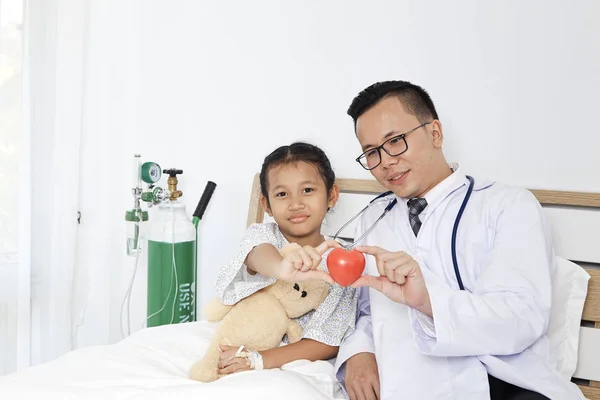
(259, 321)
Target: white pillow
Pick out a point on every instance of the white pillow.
(569, 289)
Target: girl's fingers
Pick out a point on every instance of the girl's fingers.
(306, 260)
(241, 364)
(314, 255)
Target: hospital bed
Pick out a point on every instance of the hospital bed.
(153, 363)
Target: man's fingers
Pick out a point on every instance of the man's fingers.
(351, 395)
(372, 250)
(358, 391)
(398, 255)
(370, 385)
(403, 271)
(400, 275)
(373, 382)
(390, 261)
(370, 281)
(390, 269)
(376, 387)
(355, 392)
(367, 390)
(397, 261)
(370, 392)
(390, 272)
(380, 264)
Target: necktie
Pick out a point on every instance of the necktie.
(415, 207)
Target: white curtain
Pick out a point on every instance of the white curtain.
(78, 134)
(56, 33)
(41, 111)
(14, 263)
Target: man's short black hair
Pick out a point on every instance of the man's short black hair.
(414, 99)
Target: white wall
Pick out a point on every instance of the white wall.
(211, 88)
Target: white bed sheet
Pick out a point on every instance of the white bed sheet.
(153, 364)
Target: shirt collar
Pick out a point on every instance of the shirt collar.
(443, 189)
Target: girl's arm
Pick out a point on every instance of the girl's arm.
(304, 349)
(264, 259)
(233, 282)
(293, 263)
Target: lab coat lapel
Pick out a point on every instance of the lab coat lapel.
(457, 185)
(399, 235)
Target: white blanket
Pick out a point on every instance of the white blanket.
(153, 364)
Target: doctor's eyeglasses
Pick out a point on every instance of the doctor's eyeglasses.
(394, 146)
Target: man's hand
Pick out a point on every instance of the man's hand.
(400, 278)
(362, 377)
(301, 263)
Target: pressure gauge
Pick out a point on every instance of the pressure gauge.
(151, 172)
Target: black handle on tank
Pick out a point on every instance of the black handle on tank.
(173, 172)
(203, 203)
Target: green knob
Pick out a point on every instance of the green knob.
(148, 197)
(136, 215)
(151, 172)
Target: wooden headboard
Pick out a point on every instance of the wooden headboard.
(582, 249)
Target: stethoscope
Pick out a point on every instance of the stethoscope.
(393, 203)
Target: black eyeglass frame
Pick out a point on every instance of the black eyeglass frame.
(402, 136)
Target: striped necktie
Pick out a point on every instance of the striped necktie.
(415, 206)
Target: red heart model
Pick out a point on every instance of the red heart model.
(345, 266)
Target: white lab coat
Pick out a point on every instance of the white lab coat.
(496, 326)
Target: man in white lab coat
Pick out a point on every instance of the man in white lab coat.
(418, 335)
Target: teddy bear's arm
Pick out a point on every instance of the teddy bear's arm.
(294, 331)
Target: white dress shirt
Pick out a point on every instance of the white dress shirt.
(496, 325)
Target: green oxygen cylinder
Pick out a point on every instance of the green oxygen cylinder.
(171, 295)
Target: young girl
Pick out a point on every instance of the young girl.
(298, 188)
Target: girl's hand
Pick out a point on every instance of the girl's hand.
(228, 363)
(301, 264)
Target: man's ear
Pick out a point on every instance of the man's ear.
(265, 205)
(437, 134)
(334, 196)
